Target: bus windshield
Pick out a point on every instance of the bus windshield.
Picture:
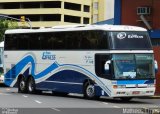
(129, 40)
(133, 66)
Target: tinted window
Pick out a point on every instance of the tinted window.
(100, 60)
(130, 40)
(11, 42)
(75, 40)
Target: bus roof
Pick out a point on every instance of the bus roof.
(78, 28)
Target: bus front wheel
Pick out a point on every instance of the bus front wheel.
(31, 85)
(89, 91)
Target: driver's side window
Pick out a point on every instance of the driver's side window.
(103, 65)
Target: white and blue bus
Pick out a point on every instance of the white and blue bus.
(94, 60)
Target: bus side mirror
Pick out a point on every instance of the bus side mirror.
(156, 66)
(107, 67)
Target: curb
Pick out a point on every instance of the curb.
(150, 97)
(155, 97)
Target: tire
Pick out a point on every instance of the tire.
(126, 99)
(22, 85)
(31, 86)
(89, 91)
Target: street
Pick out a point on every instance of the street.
(73, 103)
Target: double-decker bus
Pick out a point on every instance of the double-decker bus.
(94, 60)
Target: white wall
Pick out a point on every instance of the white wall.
(110, 9)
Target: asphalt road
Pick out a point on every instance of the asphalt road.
(46, 103)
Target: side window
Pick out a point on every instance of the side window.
(23, 43)
(51, 41)
(94, 40)
(100, 61)
(34, 41)
(75, 40)
(71, 40)
(59, 41)
(45, 43)
(85, 42)
(103, 40)
(11, 42)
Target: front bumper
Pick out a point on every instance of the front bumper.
(133, 92)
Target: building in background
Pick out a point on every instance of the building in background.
(143, 13)
(49, 13)
(98, 11)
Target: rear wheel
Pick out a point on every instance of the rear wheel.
(31, 87)
(22, 85)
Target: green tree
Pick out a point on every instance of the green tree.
(6, 24)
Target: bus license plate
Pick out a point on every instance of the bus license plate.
(135, 92)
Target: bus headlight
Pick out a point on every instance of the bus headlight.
(119, 86)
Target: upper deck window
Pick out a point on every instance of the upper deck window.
(130, 40)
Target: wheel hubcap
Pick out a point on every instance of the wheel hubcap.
(22, 84)
(31, 85)
(90, 91)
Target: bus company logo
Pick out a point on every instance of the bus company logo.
(48, 56)
(135, 36)
(121, 35)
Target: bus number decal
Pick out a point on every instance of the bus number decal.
(89, 59)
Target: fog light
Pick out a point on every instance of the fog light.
(119, 86)
(121, 92)
(115, 86)
(149, 91)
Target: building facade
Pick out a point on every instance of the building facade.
(49, 13)
(98, 9)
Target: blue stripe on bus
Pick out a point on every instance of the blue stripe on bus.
(68, 76)
(121, 82)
